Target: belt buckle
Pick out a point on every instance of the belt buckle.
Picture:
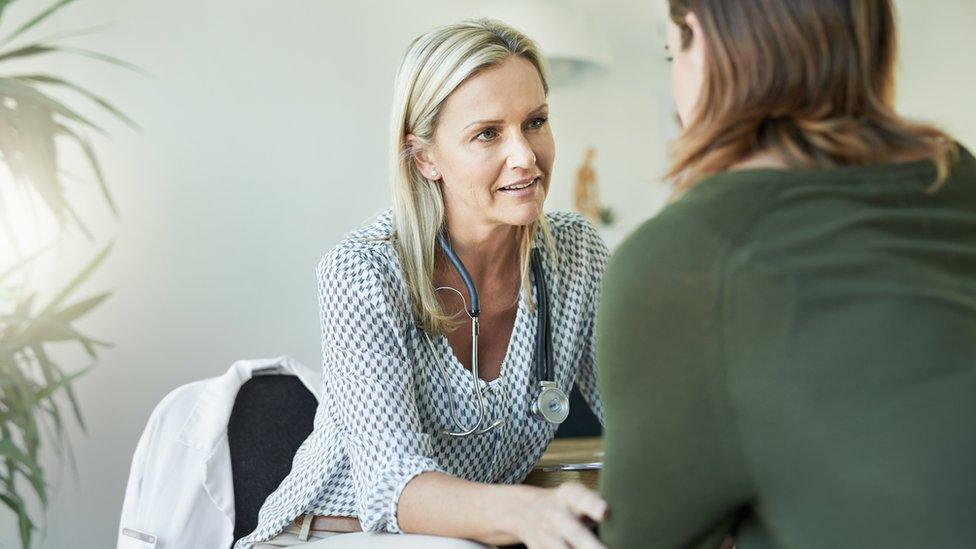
(306, 527)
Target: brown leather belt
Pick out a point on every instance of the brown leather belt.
(319, 523)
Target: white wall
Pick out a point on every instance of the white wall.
(263, 141)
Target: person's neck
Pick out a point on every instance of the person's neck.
(487, 251)
(761, 160)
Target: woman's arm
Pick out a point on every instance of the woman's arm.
(498, 514)
(368, 388)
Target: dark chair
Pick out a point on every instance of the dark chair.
(581, 421)
(272, 416)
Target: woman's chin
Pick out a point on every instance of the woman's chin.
(521, 215)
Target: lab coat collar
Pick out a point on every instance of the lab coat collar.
(206, 428)
(207, 424)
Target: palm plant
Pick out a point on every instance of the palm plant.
(36, 393)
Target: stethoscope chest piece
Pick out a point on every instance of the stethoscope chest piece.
(552, 404)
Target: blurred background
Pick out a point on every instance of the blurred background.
(262, 140)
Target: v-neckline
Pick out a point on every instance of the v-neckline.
(509, 350)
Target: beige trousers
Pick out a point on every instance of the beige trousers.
(291, 537)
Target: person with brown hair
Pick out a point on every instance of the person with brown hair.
(787, 350)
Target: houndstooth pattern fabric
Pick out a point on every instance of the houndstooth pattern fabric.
(384, 400)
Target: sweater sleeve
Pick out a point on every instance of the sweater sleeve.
(369, 387)
(673, 472)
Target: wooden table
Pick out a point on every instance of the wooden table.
(567, 453)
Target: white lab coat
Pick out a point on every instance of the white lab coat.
(180, 488)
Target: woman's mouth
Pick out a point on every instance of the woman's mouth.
(526, 188)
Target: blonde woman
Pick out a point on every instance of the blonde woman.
(408, 440)
(787, 350)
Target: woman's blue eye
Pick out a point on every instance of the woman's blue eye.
(487, 135)
(538, 122)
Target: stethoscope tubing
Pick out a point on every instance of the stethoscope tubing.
(474, 305)
(544, 360)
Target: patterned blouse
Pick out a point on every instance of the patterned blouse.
(384, 401)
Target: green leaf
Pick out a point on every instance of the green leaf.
(4, 4)
(24, 93)
(35, 20)
(28, 51)
(65, 382)
(81, 224)
(73, 312)
(17, 505)
(43, 49)
(47, 329)
(73, 399)
(33, 472)
(36, 479)
(51, 370)
(77, 281)
(96, 166)
(73, 33)
(21, 399)
(111, 60)
(9, 450)
(55, 81)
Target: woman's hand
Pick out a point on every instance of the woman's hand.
(558, 517)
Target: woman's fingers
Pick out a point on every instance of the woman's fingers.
(577, 502)
(577, 535)
(583, 502)
(545, 539)
(559, 519)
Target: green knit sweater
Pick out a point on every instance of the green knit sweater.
(790, 357)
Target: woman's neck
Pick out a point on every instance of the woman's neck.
(487, 251)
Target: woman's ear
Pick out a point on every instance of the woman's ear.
(696, 49)
(422, 158)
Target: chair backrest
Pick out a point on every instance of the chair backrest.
(272, 416)
(581, 422)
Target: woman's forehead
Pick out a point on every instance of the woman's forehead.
(510, 89)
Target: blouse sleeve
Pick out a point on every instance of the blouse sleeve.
(368, 385)
(594, 252)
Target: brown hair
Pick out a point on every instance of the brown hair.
(810, 81)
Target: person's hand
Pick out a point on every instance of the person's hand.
(559, 517)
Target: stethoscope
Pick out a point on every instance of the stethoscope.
(551, 404)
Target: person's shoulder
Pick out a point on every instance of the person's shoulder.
(723, 198)
(720, 205)
(574, 234)
(698, 228)
(368, 246)
(569, 225)
(374, 236)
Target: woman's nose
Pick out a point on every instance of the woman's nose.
(520, 153)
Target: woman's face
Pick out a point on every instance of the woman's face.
(492, 148)
(687, 67)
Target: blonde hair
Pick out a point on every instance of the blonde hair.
(435, 64)
(810, 81)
